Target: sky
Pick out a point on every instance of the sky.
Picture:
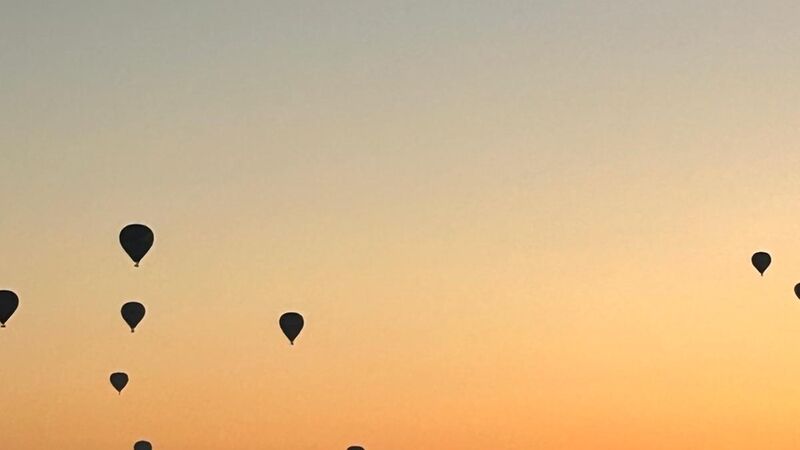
(512, 225)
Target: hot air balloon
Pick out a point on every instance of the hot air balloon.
(136, 240)
(797, 290)
(761, 260)
(142, 445)
(119, 380)
(8, 304)
(355, 447)
(133, 313)
(292, 324)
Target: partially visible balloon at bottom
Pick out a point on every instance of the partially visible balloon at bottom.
(142, 445)
(355, 447)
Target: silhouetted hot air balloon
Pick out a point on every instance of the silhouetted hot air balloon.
(797, 290)
(136, 240)
(119, 380)
(142, 445)
(761, 260)
(355, 447)
(8, 304)
(133, 313)
(291, 324)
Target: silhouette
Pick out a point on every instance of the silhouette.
(136, 240)
(133, 313)
(761, 260)
(8, 304)
(797, 290)
(355, 447)
(142, 445)
(119, 380)
(292, 324)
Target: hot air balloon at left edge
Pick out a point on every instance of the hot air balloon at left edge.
(136, 239)
(8, 305)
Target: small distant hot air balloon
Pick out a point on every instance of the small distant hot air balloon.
(119, 380)
(761, 260)
(136, 240)
(133, 313)
(292, 324)
(355, 447)
(797, 290)
(8, 304)
(142, 445)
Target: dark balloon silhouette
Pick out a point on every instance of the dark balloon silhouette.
(136, 240)
(291, 324)
(797, 290)
(133, 313)
(8, 304)
(761, 260)
(355, 447)
(142, 445)
(119, 380)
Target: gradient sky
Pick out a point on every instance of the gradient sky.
(510, 225)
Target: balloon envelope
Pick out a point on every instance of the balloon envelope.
(292, 324)
(119, 380)
(761, 260)
(142, 445)
(797, 290)
(355, 447)
(8, 304)
(132, 313)
(136, 240)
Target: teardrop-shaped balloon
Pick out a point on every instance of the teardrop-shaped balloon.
(136, 240)
(133, 313)
(292, 324)
(797, 290)
(761, 260)
(8, 304)
(119, 380)
(142, 445)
